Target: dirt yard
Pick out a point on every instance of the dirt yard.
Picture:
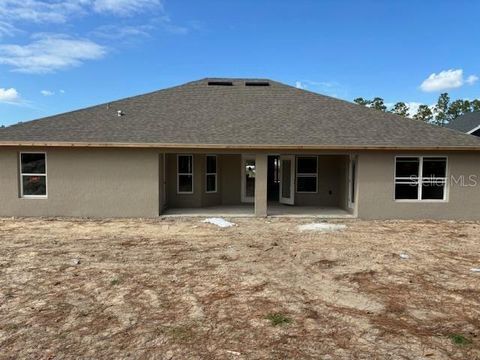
(182, 289)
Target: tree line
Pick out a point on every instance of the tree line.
(440, 114)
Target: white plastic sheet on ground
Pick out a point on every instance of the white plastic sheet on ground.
(219, 222)
(323, 227)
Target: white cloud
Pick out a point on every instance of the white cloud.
(300, 85)
(7, 29)
(41, 11)
(125, 7)
(47, 93)
(412, 107)
(50, 52)
(116, 32)
(447, 79)
(56, 11)
(166, 23)
(472, 79)
(9, 95)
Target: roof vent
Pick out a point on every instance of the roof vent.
(220, 83)
(120, 113)
(257, 83)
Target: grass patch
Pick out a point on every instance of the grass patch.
(114, 281)
(277, 319)
(460, 340)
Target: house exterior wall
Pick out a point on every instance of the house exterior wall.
(376, 189)
(129, 183)
(230, 178)
(261, 175)
(86, 182)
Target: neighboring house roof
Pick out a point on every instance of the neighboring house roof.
(198, 114)
(467, 123)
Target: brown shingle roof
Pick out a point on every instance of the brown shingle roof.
(238, 115)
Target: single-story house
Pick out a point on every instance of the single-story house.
(468, 123)
(237, 147)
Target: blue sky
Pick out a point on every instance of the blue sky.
(57, 56)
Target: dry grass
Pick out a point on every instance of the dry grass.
(180, 289)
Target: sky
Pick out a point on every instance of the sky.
(57, 56)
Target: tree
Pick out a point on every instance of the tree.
(441, 110)
(378, 103)
(362, 101)
(457, 108)
(466, 107)
(475, 105)
(400, 108)
(424, 113)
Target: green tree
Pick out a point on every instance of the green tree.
(441, 110)
(400, 108)
(475, 105)
(378, 103)
(424, 113)
(362, 101)
(457, 108)
(466, 107)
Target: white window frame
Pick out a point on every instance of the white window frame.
(207, 174)
(179, 174)
(29, 174)
(300, 175)
(421, 180)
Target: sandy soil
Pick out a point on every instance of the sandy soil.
(182, 289)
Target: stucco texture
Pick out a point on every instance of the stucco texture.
(86, 183)
(376, 189)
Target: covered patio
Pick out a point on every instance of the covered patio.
(243, 185)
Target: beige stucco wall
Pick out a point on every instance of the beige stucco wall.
(86, 182)
(230, 178)
(128, 183)
(261, 167)
(376, 190)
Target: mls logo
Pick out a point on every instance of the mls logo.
(465, 181)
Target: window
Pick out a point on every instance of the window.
(185, 174)
(307, 174)
(211, 174)
(33, 175)
(420, 178)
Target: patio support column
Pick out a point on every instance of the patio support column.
(261, 173)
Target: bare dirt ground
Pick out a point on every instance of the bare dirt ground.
(182, 289)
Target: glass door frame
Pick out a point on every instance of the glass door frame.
(245, 158)
(291, 199)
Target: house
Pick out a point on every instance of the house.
(237, 147)
(468, 123)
